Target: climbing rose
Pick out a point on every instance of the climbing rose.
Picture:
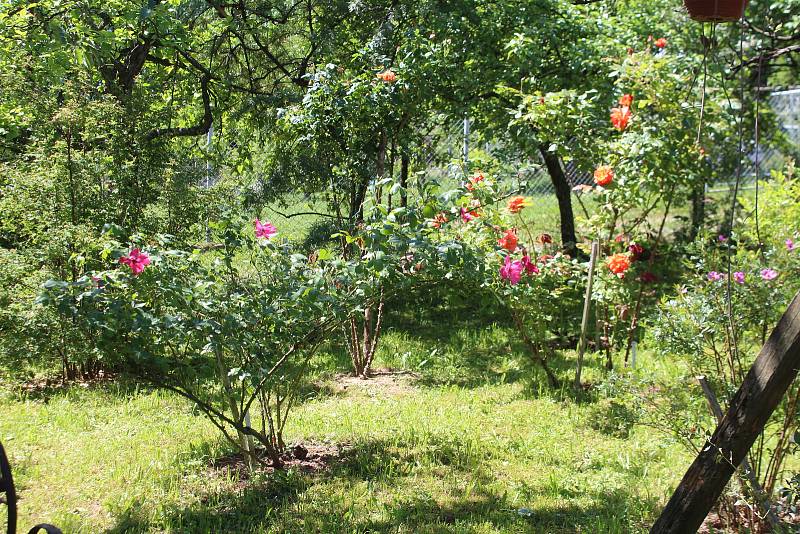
(516, 204)
(618, 264)
(264, 230)
(545, 239)
(511, 271)
(603, 175)
(769, 274)
(387, 76)
(439, 220)
(714, 276)
(626, 100)
(509, 240)
(620, 117)
(136, 260)
(661, 42)
(789, 244)
(636, 250)
(738, 276)
(529, 266)
(467, 216)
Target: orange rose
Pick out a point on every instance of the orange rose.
(439, 220)
(474, 181)
(626, 100)
(618, 264)
(661, 42)
(509, 240)
(603, 175)
(516, 204)
(387, 76)
(620, 117)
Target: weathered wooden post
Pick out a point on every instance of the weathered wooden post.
(746, 472)
(585, 320)
(765, 384)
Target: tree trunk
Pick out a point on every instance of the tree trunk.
(698, 209)
(564, 196)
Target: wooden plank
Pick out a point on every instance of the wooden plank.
(760, 393)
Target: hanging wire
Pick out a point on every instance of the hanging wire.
(735, 199)
(758, 162)
(707, 43)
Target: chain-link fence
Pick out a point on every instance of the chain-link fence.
(450, 146)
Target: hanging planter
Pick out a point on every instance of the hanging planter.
(715, 10)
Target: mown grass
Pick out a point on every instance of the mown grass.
(473, 441)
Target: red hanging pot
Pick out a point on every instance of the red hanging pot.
(715, 10)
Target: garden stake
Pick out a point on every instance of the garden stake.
(749, 475)
(586, 305)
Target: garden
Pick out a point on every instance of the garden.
(399, 266)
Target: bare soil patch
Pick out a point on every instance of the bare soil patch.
(383, 381)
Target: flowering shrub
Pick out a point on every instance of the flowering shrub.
(234, 337)
(719, 338)
(537, 285)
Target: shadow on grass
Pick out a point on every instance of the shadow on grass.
(390, 486)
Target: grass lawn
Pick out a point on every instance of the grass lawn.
(468, 441)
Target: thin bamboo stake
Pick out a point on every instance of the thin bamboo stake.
(586, 306)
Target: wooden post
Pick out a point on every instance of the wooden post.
(765, 384)
(585, 320)
(746, 475)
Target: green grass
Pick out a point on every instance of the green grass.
(471, 442)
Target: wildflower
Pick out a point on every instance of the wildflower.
(620, 117)
(769, 274)
(136, 260)
(647, 277)
(439, 220)
(509, 240)
(626, 100)
(789, 245)
(603, 175)
(714, 276)
(516, 204)
(636, 250)
(545, 239)
(475, 180)
(661, 43)
(387, 76)
(511, 271)
(738, 277)
(528, 265)
(618, 264)
(264, 230)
